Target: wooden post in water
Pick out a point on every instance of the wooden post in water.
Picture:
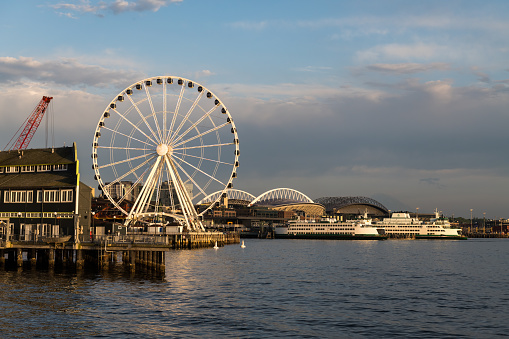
(51, 258)
(80, 263)
(33, 257)
(19, 257)
(132, 258)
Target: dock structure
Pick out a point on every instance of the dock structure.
(135, 252)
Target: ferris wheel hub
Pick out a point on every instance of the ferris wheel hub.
(162, 149)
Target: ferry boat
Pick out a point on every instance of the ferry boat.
(329, 228)
(401, 225)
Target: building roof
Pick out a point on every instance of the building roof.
(45, 179)
(39, 156)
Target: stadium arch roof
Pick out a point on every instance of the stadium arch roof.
(232, 193)
(287, 199)
(352, 205)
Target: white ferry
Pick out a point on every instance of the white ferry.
(400, 224)
(330, 229)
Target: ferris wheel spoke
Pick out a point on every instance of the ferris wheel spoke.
(201, 134)
(202, 146)
(191, 109)
(131, 171)
(136, 127)
(153, 113)
(195, 124)
(126, 160)
(199, 170)
(128, 136)
(144, 120)
(191, 178)
(173, 120)
(165, 111)
(202, 158)
(123, 148)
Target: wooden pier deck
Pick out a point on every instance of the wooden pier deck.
(135, 251)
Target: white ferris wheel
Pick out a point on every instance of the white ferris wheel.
(161, 145)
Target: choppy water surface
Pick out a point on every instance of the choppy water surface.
(276, 288)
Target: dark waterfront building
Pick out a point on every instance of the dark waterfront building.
(41, 195)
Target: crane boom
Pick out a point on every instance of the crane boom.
(31, 124)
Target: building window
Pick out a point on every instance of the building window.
(66, 196)
(60, 167)
(12, 169)
(1, 169)
(43, 168)
(51, 196)
(18, 196)
(25, 169)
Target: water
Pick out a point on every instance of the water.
(276, 288)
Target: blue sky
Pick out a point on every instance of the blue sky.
(402, 101)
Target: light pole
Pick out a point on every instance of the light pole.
(471, 220)
(92, 229)
(484, 223)
(417, 213)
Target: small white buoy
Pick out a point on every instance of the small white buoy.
(243, 246)
(215, 246)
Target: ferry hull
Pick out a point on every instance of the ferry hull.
(441, 237)
(331, 236)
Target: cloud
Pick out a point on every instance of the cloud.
(408, 68)
(433, 182)
(203, 74)
(419, 51)
(68, 72)
(116, 7)
(249, 25)
(314, 69)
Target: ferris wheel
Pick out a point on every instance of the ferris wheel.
(160, 146)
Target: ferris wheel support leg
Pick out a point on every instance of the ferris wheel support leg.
(185, 201)
(144, 196)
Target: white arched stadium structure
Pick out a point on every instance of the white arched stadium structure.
(281, 199)
(287, 199)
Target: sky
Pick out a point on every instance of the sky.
(406, 102)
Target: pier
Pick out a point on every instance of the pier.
(135, 252)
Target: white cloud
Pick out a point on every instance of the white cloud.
(67, 72)
(408, 68)
(116, 7)
(203, 74)
(418, 51)
(249, 25)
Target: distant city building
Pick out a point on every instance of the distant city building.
(123, 188)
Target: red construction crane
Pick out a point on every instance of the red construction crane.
(30, 126)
